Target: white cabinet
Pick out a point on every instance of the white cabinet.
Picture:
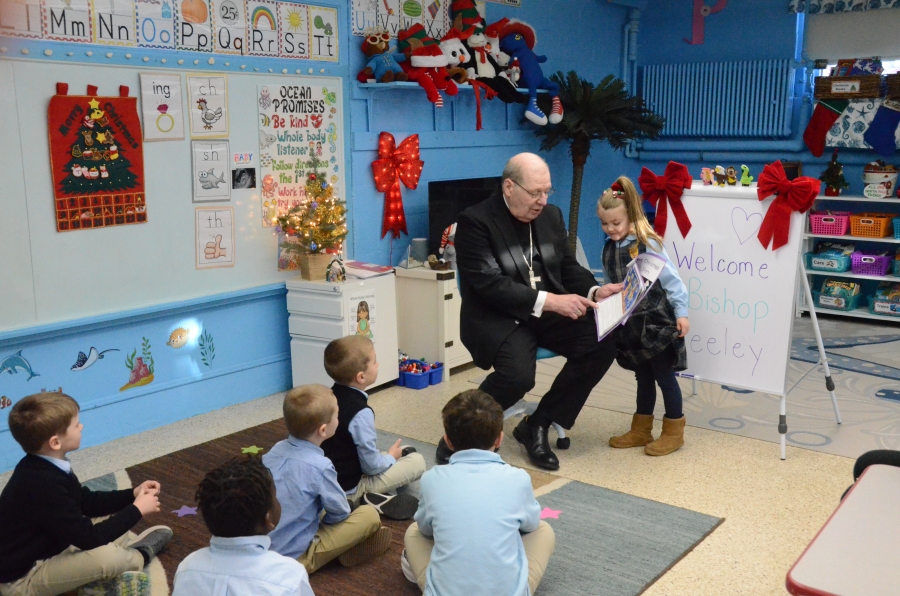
(428, 327)
(320, 312)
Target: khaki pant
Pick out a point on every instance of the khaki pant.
(333, 540)
(405, 471)
(74, 568)
(539, 546)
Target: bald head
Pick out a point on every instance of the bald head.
(526, 182)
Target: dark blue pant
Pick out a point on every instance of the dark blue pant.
(658, 370)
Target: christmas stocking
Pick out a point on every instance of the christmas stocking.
(824, 116)
(880, 134)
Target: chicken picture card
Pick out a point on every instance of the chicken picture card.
(208, 106)
(211, 171)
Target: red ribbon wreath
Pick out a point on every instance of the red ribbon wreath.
(792, 195)
(661, 191)
(396, 164)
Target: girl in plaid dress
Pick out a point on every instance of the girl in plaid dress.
(651, 342)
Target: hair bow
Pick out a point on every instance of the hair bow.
(665, 190)
(396, 164)
(792, 195)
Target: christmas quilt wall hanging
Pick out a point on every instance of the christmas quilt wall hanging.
(96, 159)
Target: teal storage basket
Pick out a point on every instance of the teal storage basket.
(884, 307)
(897, 228)
(836, 302)
(816, 262)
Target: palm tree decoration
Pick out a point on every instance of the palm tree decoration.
(605, 112)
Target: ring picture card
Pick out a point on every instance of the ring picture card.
(208, 106)
(215, 237)
(211, 171)
(161, 107)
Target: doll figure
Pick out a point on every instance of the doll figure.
(720, 176)
(362, 320)
(731, 173)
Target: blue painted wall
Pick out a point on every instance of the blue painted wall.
(250, 359)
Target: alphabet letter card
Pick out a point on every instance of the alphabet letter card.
(211, 171)
(209, 106)
(161, 106)
(215, 237)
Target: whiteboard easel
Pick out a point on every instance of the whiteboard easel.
(737, 287)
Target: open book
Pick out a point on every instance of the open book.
(611, 312)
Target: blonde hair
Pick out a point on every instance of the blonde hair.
(33, 420)
(613, 198)
(348, 356)
(308, 407)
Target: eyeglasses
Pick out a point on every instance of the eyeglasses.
(537, 194)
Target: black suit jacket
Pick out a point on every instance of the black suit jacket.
(493, 273)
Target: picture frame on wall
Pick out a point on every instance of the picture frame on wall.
(792, 169)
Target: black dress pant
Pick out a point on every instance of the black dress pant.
(587, 360)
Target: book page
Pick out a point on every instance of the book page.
(608, 314)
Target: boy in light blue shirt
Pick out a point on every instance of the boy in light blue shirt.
(239, 506)
(316, 523)
(478, 527)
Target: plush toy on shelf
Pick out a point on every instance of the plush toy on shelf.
(427, 63)
(518, 40)
(457, 55)
(746, 178)
(382, 66)
(731, 174)
(448, 245)
(719, 173)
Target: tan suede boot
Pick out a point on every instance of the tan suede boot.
(671, 439)
(638, 436)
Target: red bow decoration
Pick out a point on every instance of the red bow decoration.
(792, 195)
(661, 191)
(393, 165)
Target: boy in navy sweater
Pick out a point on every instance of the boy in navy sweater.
(364, 472)
(48, 543)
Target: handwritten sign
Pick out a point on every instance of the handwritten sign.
(741, 296)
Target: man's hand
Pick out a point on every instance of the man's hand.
(683, 326)
(607, 290)
(394, 451)
(568, 305)
(148, 486)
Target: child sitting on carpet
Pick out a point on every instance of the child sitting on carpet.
(239, 506)
(363, 471)
(307, 485)
(651, 342)
(478, 528)
(48, 543)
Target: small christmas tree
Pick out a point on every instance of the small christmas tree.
(97, 163)
(833, 176)
(319, 223)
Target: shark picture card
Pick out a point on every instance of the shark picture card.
(211, 171)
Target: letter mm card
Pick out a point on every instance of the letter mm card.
(293, 30)
(193, 25)
(230, 26)
(262, 28)
(67, 20)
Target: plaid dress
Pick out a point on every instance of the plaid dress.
(651, 328)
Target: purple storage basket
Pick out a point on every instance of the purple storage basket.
(864, 264)
(835, 223)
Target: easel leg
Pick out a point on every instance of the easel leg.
(782, 426)
(829, 383)
(693, 387)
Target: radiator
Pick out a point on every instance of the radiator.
(721, 99)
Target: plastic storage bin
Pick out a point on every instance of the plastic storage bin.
(816, 262)
(423, 379)
(884, 307)
(871, 225)
(864, 264)
(835, 223)
(836, 302)
(897, 267)
(897, 228)
(436, 375)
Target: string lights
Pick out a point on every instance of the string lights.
(396, 164)
(319, 223)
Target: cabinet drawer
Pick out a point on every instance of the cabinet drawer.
(332, 306)
(315, 327)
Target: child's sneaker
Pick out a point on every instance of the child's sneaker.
(407, 570)
(399, 507)
(151, 541)
(368, 549)
(130, 583)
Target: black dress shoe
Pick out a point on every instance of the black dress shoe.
(536, 444)
(443, 453)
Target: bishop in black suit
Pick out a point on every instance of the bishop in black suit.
(521, 288)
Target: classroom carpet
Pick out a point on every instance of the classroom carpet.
(864, 359)
(607, 542)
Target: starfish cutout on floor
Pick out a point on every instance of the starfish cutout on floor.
(185, 510)
(252, 449)
(548, 513)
